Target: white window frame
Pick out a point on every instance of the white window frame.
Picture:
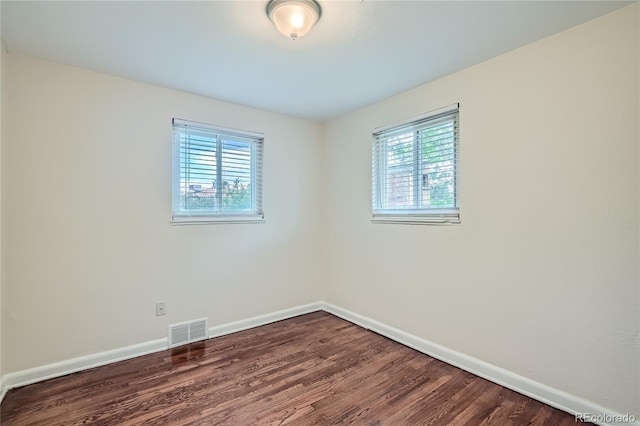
(413, 214)
(182, 216)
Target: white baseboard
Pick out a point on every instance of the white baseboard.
(553, 397)
(3, 388)
(62, 368)
(233, 327)
(538, 391)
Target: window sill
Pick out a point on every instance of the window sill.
(415, 220)
(211, 220)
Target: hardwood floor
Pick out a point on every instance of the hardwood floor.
(315, 369)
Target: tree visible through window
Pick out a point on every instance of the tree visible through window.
(217, 173)
(415, 167)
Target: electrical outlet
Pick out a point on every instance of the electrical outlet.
(160, 309)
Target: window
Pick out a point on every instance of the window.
(415, 170)
(217, 174)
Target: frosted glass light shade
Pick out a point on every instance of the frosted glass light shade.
(293, 18)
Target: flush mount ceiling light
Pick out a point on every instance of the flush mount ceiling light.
(293, 18)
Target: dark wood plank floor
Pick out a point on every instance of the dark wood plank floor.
(315, 369)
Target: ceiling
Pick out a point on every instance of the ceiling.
(360, 52)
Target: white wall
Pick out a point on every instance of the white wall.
(87, 177)
(541, 277)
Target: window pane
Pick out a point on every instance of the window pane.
(398, 188)
(198, 171)
(236, 176)
(438, 165)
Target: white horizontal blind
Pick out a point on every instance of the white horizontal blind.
(217, 172)
(415, 169)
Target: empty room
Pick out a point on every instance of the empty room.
(320, 212)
